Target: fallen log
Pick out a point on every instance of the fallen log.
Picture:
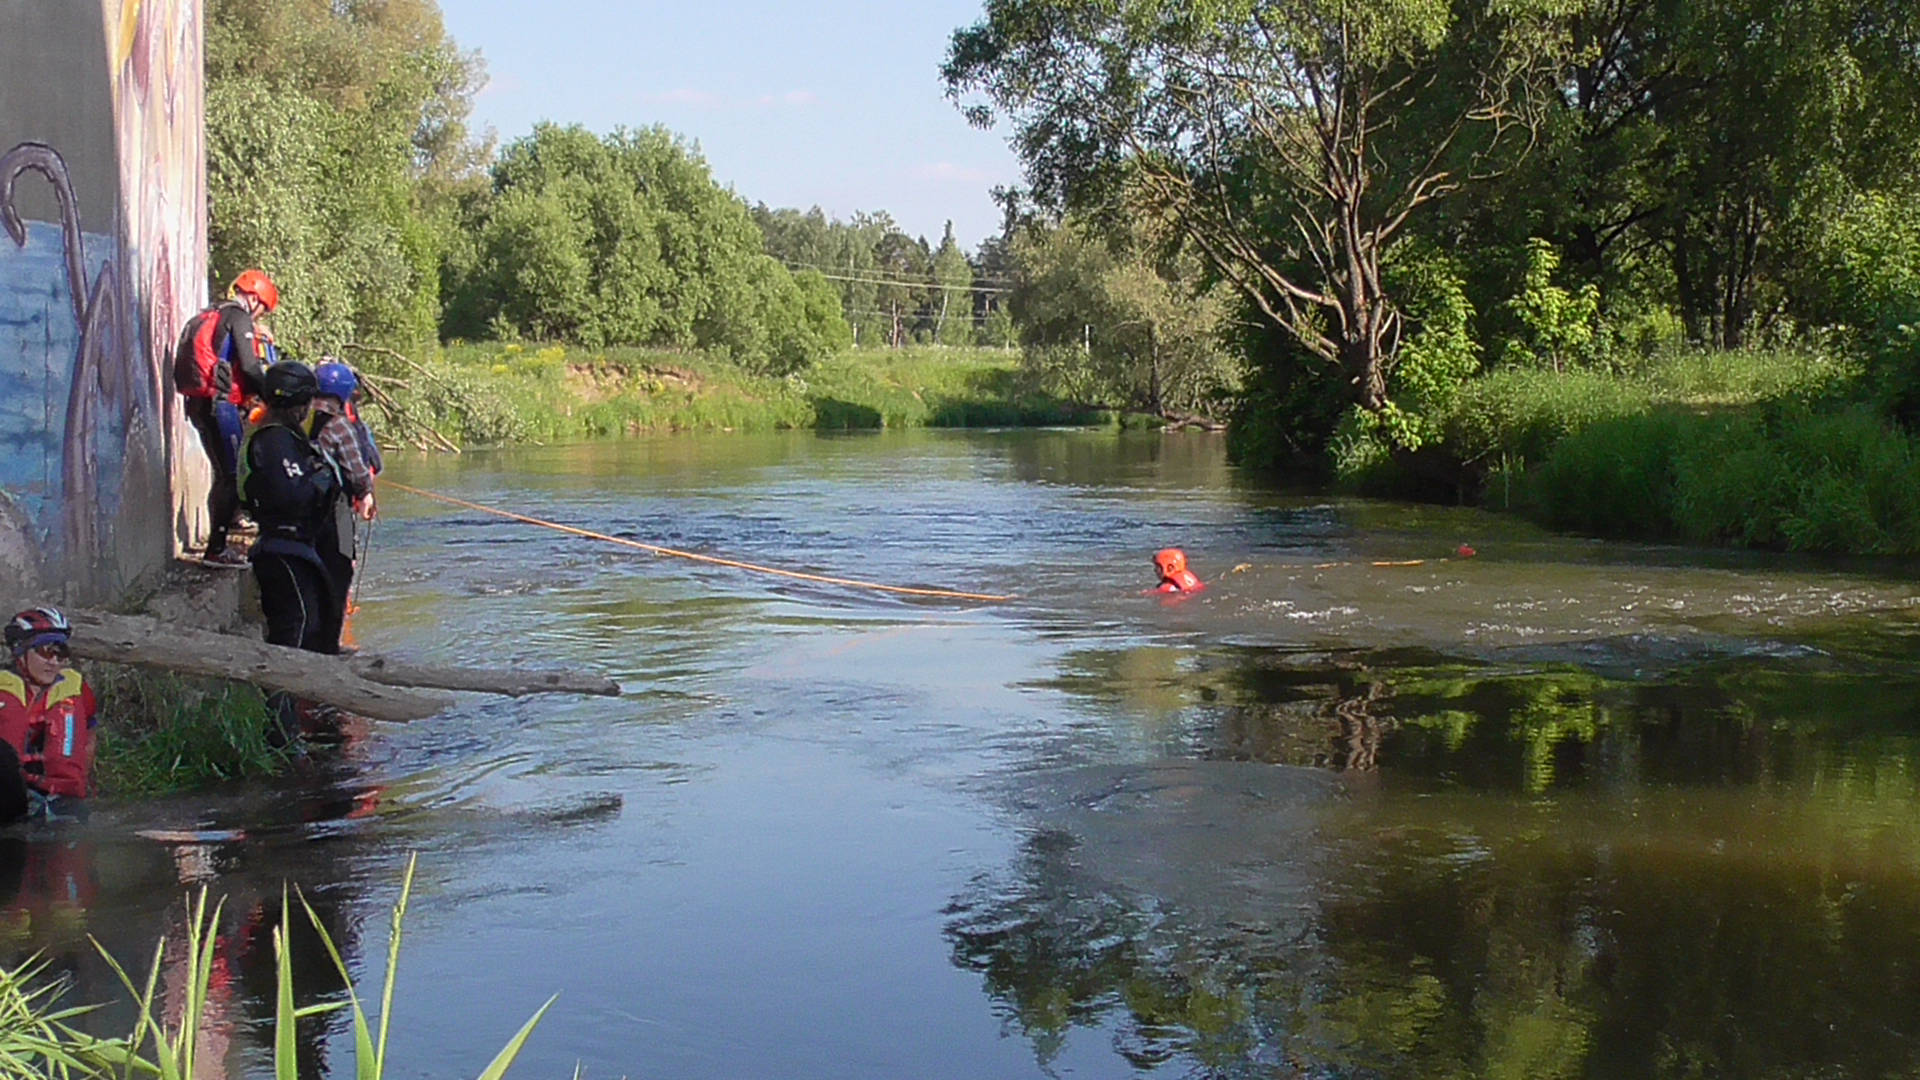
(136, 639)
(512, 682)
(373, 686)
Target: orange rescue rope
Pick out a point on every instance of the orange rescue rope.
(658, 550)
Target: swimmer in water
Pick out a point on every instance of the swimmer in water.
(1171, 565)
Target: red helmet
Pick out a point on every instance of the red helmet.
(1169, 561)
(35, 627)
(257, 283)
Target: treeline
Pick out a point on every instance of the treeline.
(341, 160)
(896, 290)
(1393, 201)
(627, 240)
(1349, 226)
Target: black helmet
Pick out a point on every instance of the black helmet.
(289, 383)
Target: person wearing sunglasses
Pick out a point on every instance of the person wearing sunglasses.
(47, 716)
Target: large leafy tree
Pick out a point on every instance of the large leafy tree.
(1294, 142)
(627, 240)
(335, 134)
(1120, 320)
(1699, 151)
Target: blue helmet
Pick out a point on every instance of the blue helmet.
(336, 380)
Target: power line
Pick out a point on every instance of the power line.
(823, 267)
(978, 320)
(823, 271)
(891, 279)
(914, 284)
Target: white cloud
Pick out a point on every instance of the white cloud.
(946, 172)
(800, 97)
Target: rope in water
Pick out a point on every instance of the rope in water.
(695, 556)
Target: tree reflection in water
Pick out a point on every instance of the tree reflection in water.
(1532, 873)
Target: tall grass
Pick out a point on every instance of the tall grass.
(1786, 474)
(502, 393)
(1520, 414)
(37, 1040)
(164, 733)
(1764, 448)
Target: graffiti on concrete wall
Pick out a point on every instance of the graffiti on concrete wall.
(155, 70)
(103, 257)
(90, 339)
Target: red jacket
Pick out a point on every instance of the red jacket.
(51, 730)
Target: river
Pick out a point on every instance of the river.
(1561, 808)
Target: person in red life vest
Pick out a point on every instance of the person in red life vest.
(218, 364)
(46, 721)
(1171, 565)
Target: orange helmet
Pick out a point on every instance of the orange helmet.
(1169, 561)
(257, 283)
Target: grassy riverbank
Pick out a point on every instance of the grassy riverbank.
(162, 733)
(502, 393)
(1771, 449)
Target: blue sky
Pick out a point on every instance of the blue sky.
(836, 103)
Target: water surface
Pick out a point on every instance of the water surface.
(1564, 808)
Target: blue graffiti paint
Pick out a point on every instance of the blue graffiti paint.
(39, 345)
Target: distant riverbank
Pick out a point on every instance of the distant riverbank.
(495, 393)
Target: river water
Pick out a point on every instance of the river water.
(1562, 808)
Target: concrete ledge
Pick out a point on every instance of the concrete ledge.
(193, 594)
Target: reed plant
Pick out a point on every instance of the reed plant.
(38, 1038)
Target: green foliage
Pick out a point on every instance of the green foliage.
(1286, 417)
(510, 393)
(1299, 174)
(333, 132)
(880, 275)
(627, 240)
(163, 733)
(165, 1041)
(1438, 356)
(1762, 449)
(38, 1039)
(1612, 476)
(1865, 276)
(1562, 326)
(953, 285)
(1519, 414)
(1104, 322)
(1782, 477)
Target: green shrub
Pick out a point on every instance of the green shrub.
(1858, 484)
(1788, 477)
(164, 733)
(1614, 476)
(1730, 485)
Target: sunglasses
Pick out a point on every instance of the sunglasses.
(51, 652)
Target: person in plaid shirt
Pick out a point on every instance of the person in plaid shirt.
(335, 432)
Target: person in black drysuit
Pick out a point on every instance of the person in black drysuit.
(293, 491)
